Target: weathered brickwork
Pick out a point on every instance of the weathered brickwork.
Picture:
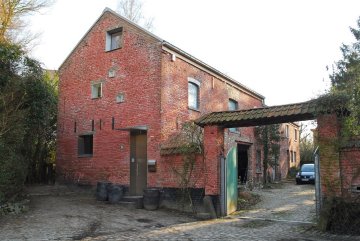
(328, 133)
(350, 172)
(137, 67)
(155, 89)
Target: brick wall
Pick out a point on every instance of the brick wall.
(328, 133)
(156, 96)
(137, 67)
(214, 96)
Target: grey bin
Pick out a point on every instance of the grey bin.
(115, 193)
(101, 191)
(151, 198)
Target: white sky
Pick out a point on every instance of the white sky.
(279, 48)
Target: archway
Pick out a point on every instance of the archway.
(328, 128)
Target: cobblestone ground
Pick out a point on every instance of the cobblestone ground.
(285, 214)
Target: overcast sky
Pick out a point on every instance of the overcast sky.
(279, 48)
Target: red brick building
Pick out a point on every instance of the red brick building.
(289, 149)
(124, 93)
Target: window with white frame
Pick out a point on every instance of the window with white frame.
(193, 94)
(295, 156)
(295, 134)
(114, 39)
(233, 105)
(96, 90)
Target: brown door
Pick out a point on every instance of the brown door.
(138, 162)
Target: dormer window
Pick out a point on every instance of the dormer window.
(114, 39)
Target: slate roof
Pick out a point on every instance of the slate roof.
(261, 116)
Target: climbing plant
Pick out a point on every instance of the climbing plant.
(269, 137)
(190, 147)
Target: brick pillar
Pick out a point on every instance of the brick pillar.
(213, 149)
(328, 134)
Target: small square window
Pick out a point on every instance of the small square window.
(113, 39)
(85, 145)
(111, 73)
(120, 98)
(96, 90)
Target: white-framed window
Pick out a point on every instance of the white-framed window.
(96, 90)
(193, 94)
(295, 134)
(120, 98)
(295, 156)
(287, 131)
(233, 105)
(85, 145)
(114, 39)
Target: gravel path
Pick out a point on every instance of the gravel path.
(284, 214)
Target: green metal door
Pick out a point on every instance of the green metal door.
(231, 181)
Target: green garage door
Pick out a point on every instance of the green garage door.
(231, 181)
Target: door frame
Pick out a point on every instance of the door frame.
(134, 180)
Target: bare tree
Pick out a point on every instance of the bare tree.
(132, 10)
(12, 23)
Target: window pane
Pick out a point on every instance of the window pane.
(193, 95)
(232, 105)
(85, 145)
(115, 40)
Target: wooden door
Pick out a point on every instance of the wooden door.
(138, 162)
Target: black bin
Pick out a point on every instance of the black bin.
(151, 198)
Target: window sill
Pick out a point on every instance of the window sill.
(111, 50)
(193, 109)
(85, 155)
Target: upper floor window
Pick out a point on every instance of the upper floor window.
(96, 90)
(194, 94)
(114, 39)
(295, 134)
(233, 105)
(287, 131)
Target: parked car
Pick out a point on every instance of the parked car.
(306, 174)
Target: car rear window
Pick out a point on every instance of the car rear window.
(307, 168)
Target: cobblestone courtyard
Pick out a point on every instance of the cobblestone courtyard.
(56, 213)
